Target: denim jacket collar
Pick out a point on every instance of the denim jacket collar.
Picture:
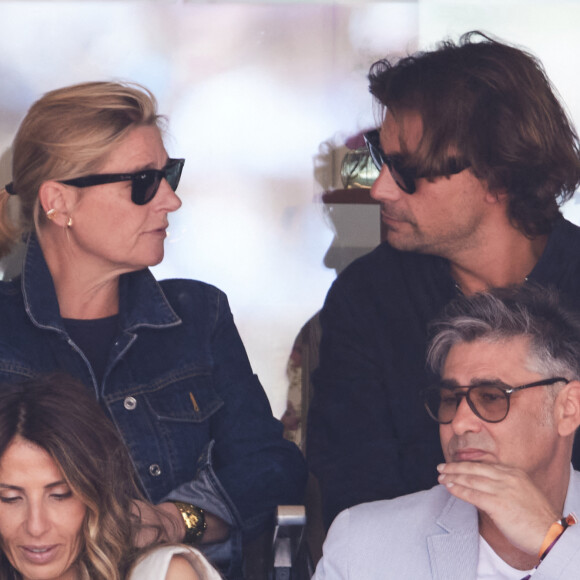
(141, 299)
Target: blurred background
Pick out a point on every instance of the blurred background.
(261, 100)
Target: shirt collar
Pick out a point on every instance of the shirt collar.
(142, 300)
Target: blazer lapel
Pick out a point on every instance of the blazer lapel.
(572, 503)
(454, 552)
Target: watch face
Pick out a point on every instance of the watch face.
(194, 521)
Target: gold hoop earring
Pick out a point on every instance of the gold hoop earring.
(51, 213)
(69, 222)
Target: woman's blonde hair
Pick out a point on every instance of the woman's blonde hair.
(67, 133)
(61, 416)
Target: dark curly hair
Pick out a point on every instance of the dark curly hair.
(493, 106)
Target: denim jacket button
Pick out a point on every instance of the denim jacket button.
(130, 403)
(155, 470)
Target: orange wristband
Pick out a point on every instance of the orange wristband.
(555, 531)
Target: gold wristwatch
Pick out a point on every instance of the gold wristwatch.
(194, 518)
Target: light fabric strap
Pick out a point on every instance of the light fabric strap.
(554, 533)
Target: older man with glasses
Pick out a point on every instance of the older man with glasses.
(475, 155)
(508, 406)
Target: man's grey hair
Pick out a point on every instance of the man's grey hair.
(529, 311)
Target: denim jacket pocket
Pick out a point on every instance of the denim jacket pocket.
(168, 425)
(188, 397)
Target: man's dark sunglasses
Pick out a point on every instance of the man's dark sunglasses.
(490, 401)
(145, 183)
(404, 176)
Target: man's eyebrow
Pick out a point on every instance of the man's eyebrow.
(484, 381)
(453, 384)
(18, 488)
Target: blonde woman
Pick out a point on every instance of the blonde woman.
(95, 187)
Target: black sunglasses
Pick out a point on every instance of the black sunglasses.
(489, 401)
(145, 183)
(403, 176)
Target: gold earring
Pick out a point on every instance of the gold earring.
(50, 213)
(69, 222)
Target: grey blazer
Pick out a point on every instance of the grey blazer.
(427, 535)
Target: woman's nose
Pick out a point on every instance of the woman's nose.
(168, 199)
(37, 520)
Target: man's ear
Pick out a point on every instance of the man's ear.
(497, 196)
(57, 201)
(568, 409)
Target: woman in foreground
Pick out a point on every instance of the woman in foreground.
(67, 493)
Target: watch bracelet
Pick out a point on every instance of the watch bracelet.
(194, 520)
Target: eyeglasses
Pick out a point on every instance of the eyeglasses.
(489, 401)
(404, 176)
(145, 183)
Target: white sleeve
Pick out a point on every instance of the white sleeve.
(153, 565)
(334, 562)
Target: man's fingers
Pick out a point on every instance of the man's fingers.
(492, 471)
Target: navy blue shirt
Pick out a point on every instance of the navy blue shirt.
(95, 338)
(369, 436)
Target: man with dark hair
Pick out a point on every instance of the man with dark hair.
(475, 155)
(508, 405)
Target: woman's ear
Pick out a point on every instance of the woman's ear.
(57, 202)
(568, 405)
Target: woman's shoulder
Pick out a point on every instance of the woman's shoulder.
(181, 569)
(170, 561)
(192, 287)
(192, 298)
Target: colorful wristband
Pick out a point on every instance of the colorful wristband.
(554, 533)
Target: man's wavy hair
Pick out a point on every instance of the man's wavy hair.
(62, 417)
(492, 105)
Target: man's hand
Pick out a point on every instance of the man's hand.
(516, 506)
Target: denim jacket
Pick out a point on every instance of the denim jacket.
(179, 387)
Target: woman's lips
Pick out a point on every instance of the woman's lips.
(39, 554)
(161, 232)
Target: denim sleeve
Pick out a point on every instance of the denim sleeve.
(206, 492)
(248, 468)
